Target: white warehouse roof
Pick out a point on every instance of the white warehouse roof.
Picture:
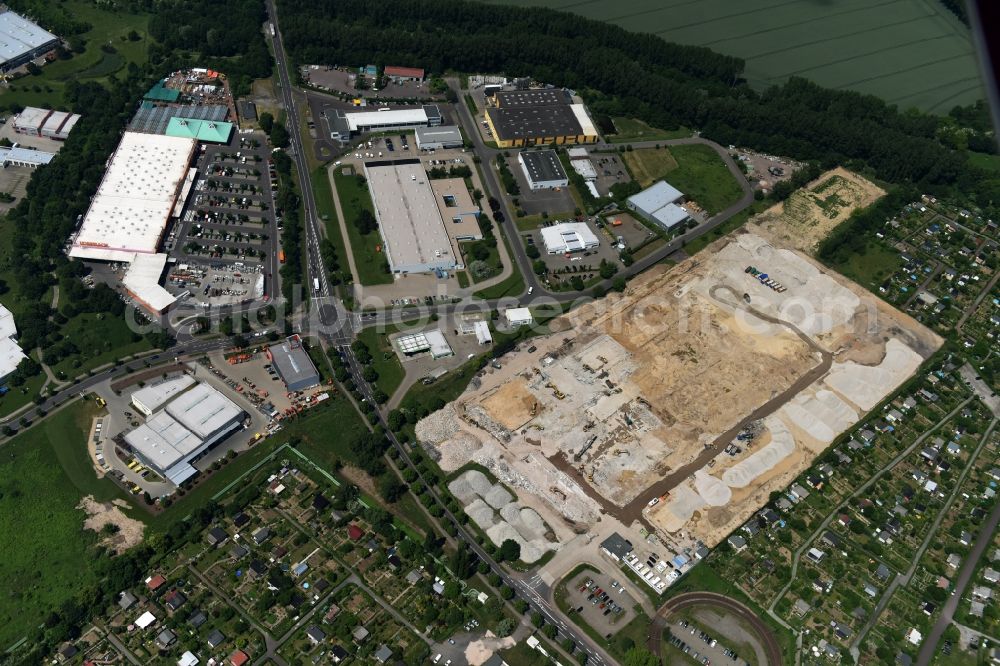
(155, 396)
(18, 35)
(568, 237)
(393, 116)
(134, 201)
(163, 441)
(142, 280)
(518, 316)
(656, 196)
(31, 117)
(204, 410)
(670, 215)
(11, 354)
(482, 330)
(439, 346)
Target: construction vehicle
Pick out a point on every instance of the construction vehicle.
(101, 402)
(555, 391)
(621, 452)
(602, 359)
(534, 407)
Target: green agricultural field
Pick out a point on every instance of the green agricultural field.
(48, 556)
(630, 129)
(912, 54)
(94, 64)
(368, 257)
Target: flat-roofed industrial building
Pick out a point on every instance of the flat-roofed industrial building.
(292, 363)
(24, 157)
(567, 237)
(134, 201)
(145, 184)
(45, 122)
(21, 41)
(660, 203)
(188, 423)
(438, 138)
(150, 398)
(458, 211)
(432, 341)
(343, 124)
(542, 169)
(413, 232)
(520, 118)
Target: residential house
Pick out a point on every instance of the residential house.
(261, 535)
(360, 634)
(216, 638)
(383, 654)
(126, 600)
(216, 536)
(737, 542)
(315, 635)
(239, 658)
(165, 639)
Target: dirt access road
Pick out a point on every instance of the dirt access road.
(654, 640)
(633, 510)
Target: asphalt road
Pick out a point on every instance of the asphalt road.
(654, 640)
(330, 316)
(194, 347)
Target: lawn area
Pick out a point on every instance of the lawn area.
(101, 338)
(384, 360)
(522, 655)
(44, 472)
(328, 214)
(368, 258)
(649, 164)
(512, 286)
(18, 396)
(631, 129)
(871, 267)
(695, 170)
(492, 260)
(984, 161)
(327, 432)
(107, 27)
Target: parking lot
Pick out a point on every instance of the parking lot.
(610, 171)
(342, 80)
(577, 262)
(227, 236)
(535, 202)
(701, 645)
(600, 601)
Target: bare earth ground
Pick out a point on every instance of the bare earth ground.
(805, 218)
(100, 514)
(632, 388)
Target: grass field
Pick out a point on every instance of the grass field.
(107, 27)
(101, 338)
(695, 170)
(871, 267)
(630, 129)
(911, 53)
(984, 161)
(47, 554)
(384, 360)
(328, 213)
(369, 261)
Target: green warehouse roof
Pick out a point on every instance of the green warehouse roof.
(160, 93)
(208, 131)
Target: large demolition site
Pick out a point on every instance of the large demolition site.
(684, 402)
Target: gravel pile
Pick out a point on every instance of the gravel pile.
(439, 426)
(498, 497)
(482, 515)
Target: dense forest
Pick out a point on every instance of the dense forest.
(620, 73)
